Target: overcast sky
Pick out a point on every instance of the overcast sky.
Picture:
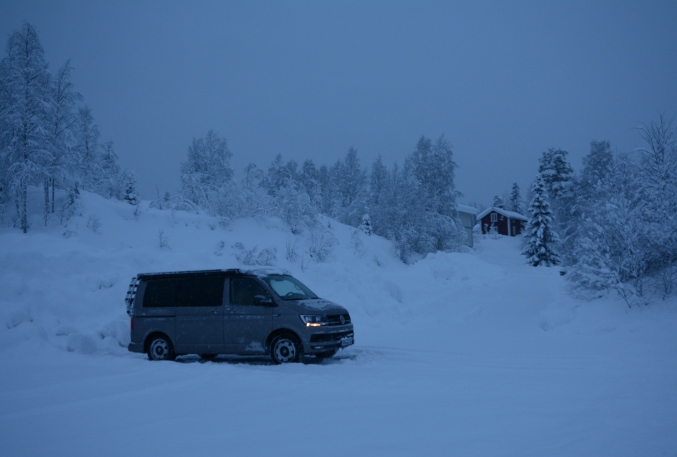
(502, 80)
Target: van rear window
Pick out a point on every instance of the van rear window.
(184, 292)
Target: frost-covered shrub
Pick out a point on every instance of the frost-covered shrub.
(291, 250)
(357, 244)
(94, 224)
(321, 241)
(163, 240)
(264, 257)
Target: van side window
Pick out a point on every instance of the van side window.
(160, 293)
(205, 291)
(201, 292)
(243, 291)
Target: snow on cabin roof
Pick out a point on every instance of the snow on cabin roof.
(506, 213)
(466, 209)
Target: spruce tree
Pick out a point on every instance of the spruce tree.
(556, 172)
(515, 199)
(541, 239)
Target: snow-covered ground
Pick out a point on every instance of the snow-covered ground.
(467, 354)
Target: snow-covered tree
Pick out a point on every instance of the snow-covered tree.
(280, 175)
(129, 181)
(597, 170)
(423, 217)
(586, 192)
(109, 180)
(351, 186)
(515, 199)
(62, 121)
(206, 171)
(290, 200)
(24, 104)
(366, 225)
(87, 149)
(498, 202)
(309, 182)
(556, 172)
(328, 189)
(378, 189)
(541, 239)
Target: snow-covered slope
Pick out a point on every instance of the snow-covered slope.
(471, 353)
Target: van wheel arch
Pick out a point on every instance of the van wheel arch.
(159, 346)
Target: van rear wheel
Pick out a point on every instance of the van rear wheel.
(286, 348)
(160, 348)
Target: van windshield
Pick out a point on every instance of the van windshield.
(289, 288)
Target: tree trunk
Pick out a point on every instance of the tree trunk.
(24, 206)
(46, 212)
(53, 185)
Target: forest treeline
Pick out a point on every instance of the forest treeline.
(413, 205)
(612, 226)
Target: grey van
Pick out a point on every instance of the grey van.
(243, 312)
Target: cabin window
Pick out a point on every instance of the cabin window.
(494, 217)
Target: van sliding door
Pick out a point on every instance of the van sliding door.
(199, 317)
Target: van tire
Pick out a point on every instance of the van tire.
(286, 348)
(160, 348)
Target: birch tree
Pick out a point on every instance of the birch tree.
(24, 86)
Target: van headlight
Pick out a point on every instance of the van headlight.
(314, 321)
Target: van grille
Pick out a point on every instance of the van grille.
(335, 319)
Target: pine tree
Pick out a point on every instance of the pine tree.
(129, 180)
(515, 199)
(366, 225)
(556, 172)
(540, 236)
(351, 184)
(378, 188)
(498, 202)
(109, 181)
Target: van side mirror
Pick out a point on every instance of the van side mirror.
(263, 300)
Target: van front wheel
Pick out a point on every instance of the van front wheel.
(285, 348)
(160, 348)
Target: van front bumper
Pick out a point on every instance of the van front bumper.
(330, 340)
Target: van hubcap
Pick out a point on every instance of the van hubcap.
(159, 349)
(285, 351)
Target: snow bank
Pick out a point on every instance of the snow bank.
(472, 353)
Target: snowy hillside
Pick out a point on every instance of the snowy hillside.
(465, 354)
